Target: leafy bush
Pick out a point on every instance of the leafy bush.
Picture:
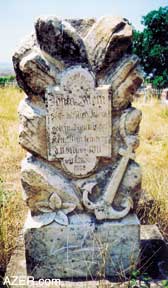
(6, 79)
(151, 45)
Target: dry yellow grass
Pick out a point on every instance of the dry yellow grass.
(12, 209)
(152, 156)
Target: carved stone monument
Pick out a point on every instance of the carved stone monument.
(80, 180)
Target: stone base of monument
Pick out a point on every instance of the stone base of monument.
(154, 255)
(83, 249)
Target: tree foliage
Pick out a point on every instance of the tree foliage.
(151, 46)
(6, 79)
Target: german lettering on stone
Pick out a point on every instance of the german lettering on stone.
(79, 121)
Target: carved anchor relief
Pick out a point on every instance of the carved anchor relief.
(103, 207)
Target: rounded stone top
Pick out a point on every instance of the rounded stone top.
(77, 77)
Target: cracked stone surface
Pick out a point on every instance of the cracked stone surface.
(80, 249)
(80, 130)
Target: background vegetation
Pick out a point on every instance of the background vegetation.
(6, 79)
(152, 155)
(151, 45)
(12, 209)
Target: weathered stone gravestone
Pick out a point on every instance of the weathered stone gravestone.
(80, 180)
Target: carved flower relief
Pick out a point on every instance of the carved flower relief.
(54, 210)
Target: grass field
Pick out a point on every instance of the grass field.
(12, 208)
(152, 156)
